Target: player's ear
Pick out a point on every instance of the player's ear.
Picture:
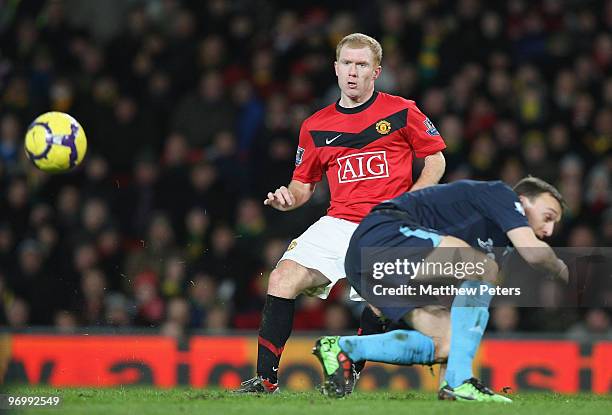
(336, 67)
(377, 72)
(525, 201)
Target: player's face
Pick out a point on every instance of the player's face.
(356, 73)
(542, 213)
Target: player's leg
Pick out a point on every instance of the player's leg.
(469, 313)
(469, 316)
(310, 265)
(429, 346)
(369, 323)
(374, 232)
(286, 282)
(434, 321)
(403, 347)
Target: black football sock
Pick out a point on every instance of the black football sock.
(276, 325)
(370, 323)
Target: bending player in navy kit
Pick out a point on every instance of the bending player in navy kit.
(475, 216)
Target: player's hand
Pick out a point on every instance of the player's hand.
(281, 199)
(563, 273)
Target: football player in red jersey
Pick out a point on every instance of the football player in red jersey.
(365, 144)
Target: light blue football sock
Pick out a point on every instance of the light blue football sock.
(469, 317)
(403, 347)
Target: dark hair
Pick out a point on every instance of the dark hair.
(532, 187)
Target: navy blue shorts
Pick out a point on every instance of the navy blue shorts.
(380, 237)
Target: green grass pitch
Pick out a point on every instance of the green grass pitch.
(141, 401)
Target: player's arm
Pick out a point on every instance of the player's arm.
(290, 197)
(427, 143)
(434, 167)
(537, 253)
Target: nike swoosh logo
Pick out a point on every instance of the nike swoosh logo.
(466, 397)
(275, 369)
(328, 141)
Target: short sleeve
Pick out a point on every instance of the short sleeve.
(307, 164)
(499, 203)
(422, 134)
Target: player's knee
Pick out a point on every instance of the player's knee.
(287, 279)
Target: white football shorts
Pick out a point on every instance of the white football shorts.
(323, 247)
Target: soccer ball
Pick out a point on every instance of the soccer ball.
(55, 142)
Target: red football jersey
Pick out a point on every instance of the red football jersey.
(366, 151)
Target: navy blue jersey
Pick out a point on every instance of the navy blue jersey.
(480, 213)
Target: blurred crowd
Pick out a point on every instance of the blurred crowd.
(192, 111)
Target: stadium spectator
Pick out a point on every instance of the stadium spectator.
(141, 198)
(218, 318)
(201, 114)
(174, 277)
(65, 322)
(606, 229)
(337, 319)
(111, 255)
(596, 323)
(151, 252)
(117, 311)
(177, 312)
(7, 246)
(504, 318)
(197, 228)
(91, 302)
(203, 297)
(10, 141)
(172, 329)
(18, 314)
(149, 305)
(30, 282)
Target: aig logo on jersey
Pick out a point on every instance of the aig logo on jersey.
(363, 166)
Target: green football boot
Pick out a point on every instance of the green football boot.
(472, 390)
(337, 367)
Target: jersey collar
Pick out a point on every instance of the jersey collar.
(358, 108)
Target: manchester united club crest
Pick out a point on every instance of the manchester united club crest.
(292, 245)
(383, 127)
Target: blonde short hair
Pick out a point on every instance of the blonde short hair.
(359, 40)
